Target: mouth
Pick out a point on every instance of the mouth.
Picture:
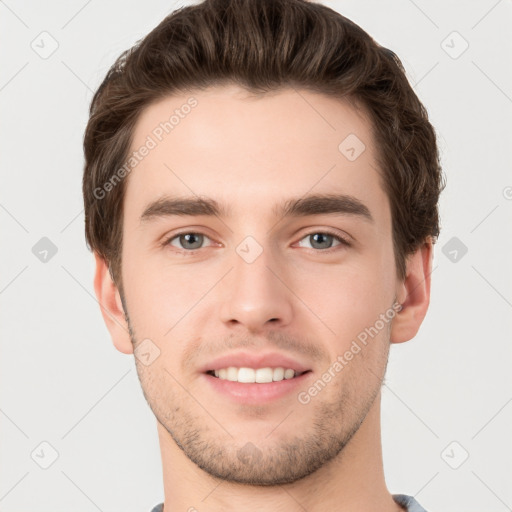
(239, 385)
(255, 378)
(255, 375)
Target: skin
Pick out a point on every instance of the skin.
(251, 153)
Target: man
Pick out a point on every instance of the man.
(288, 149)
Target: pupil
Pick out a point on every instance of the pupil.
(189, 239)
(319, 238)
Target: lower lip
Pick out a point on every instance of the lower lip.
(254, 393)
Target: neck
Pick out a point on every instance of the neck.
(353, 481)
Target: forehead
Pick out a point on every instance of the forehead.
(250, 151)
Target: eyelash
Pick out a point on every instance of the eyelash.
(343, 241)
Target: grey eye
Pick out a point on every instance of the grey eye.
(320, 240)
(188, 241)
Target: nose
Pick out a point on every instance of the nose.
(256, 294)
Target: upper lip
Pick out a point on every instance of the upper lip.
(248, 360)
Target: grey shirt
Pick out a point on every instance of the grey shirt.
(410, 504)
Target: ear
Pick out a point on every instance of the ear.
(111, 307)
(414, 294)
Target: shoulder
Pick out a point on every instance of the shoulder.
(410, 504)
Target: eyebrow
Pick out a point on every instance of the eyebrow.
(316, 204)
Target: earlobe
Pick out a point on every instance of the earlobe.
(413, 294)
(111, 307)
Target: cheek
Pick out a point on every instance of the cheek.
(347, 298)
(163, 295)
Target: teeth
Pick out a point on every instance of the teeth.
(250, 375)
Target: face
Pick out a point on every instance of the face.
(296, 260)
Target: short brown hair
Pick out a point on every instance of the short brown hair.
(264, 45)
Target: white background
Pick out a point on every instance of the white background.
(62, 381)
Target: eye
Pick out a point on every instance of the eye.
(323, 240)
(189, 241)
